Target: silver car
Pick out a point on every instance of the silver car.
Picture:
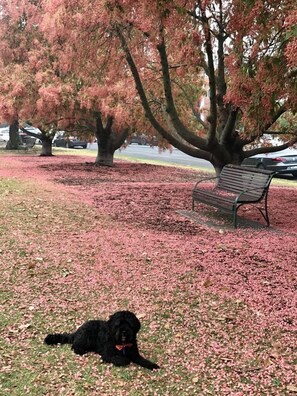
(282, 162)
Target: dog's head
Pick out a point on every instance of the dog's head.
(124, 326)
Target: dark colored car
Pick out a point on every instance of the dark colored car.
(142, 139)
(282, 162)
(139, 139)
(70, 142)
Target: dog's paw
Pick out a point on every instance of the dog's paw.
(153, 366)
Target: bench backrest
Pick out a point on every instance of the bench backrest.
(236, 179)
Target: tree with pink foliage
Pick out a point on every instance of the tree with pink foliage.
(238, 47)
(105, 96)
(110, 58)
(291, 49)
(26, 69)
(39, 87)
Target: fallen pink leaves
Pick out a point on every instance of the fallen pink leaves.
(217, 296)
(255, 266)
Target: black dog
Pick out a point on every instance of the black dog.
(115, 340)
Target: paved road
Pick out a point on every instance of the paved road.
(173, 157)
(152, 153)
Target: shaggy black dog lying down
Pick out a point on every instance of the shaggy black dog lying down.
(115, 340)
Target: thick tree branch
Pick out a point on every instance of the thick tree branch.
(221, 82)
(170, 108)
(229, 126)
(33, 134)
(120, 138)
(99, 123)
(148, 112)
(109, 122)
(211, 79)
(263, 150)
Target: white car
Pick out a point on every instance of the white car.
(4, 132)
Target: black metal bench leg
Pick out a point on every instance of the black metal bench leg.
(235, 217)
(264, 215)
(265, 212)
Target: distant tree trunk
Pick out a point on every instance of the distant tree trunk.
(46, 139)
(47, 144)
(104, 156)
(14, 137)
(108, 140)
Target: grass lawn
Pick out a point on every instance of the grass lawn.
(78, 242)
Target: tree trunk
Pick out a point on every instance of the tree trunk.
(104, 156)
(224, 154)
(14, 137)
(108, 140)
(46, 150)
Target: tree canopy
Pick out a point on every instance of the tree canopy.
(171, 47)
(30, 89)
(113, 58)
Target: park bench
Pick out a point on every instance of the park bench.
(236, 186)
(27, 146)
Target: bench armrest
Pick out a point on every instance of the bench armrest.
(205, 179)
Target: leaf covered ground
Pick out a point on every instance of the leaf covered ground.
(78, 242)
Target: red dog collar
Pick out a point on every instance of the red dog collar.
(121, 347)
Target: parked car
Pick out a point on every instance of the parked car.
(4, 132)
(282, 162)
(142, 139)
(69, 142)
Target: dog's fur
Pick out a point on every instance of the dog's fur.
(115, 340)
